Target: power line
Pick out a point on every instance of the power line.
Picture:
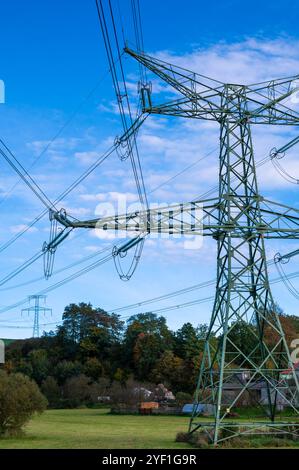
(58, 271)
(122, 96)
(60, 131)
(79, 180)
(285, 175)
(21, 268)
(165, 296)
(167, 308)
(10, 276)
(98, 162)
(176, 293)
(29, 262)
(24, 175)
(186, 168)
(60, 283)
(34, 258)
(34, 221)
(136, 14)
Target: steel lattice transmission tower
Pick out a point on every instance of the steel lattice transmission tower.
(239, 219)
(36, 309)
(242, 288)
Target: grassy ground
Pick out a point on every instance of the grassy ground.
(96, 429)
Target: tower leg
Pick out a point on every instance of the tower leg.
(233, 371)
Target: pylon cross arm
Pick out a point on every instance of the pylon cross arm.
(184, 218)
(202, 95)
(200, 218)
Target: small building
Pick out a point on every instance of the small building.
(147, 407)
(257, 392)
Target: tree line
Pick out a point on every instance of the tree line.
(93, 354)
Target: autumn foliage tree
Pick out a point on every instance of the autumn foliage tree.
(146, 338)
(170, 370)
(93, 347)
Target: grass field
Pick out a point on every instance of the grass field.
(96, 429)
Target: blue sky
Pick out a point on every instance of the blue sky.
(52, 57)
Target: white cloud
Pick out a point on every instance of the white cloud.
(78, 211)
(92, 248)
(21, 227)
(110, 196)
(167, 146)
(93, 197)
(245, 62)
(53, 146)
(87, 157)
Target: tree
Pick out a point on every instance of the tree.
(289, 323)
(121, 375)
(79, 391)
(40, 364)
(189, 345)
(244, 337)
(187, 342)
(93, 368)
(182, 398)
(290, 328)
(147, 351)
(91, 332)
(24, 367)
(170, 370)
(80, 320)
(295, 322)
(103, 339)
(131, 393)
(76, 321)
(146, 338)
(20, 398)
(66, 369)
(52, 392)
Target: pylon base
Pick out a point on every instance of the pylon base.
(231, 429)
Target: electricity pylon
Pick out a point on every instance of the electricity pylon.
(239, 220)
(37, 309)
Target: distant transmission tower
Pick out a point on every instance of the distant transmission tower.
(36, 309)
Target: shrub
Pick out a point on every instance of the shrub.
(131, 393)
(182, 437)
(78, 391)
(52, 392)
(197, 439)
(20, 398)
(182, 398)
